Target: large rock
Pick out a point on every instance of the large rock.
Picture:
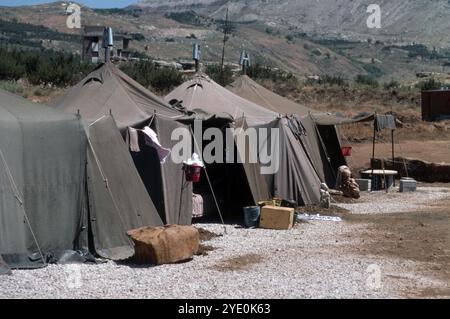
(164, 245)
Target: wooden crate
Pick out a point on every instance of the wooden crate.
(279, 218)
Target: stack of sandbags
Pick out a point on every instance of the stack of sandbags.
(164, 245)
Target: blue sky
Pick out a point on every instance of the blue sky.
(90, 3)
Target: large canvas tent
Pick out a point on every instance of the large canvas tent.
(107, 90)
(322, 137)
(53, 204)
(42, 182)
(201, 95)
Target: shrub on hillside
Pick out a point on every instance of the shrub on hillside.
(214, 71)
(337, 80)
(162, 79)
(366, 80)
(430, 84)
(42, 67)
(265, 72)
(11, 86)
(392, 84)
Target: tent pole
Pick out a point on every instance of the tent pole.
(373, 150)
(393, 152)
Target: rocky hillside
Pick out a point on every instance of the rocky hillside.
(422, 21)
(306, 37)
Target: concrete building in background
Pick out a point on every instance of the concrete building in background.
(93, 50)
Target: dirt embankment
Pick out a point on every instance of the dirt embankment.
(430, 151)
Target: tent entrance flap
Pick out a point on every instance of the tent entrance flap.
(163, 179)
(230, 185)
(331, 150)
(147, 164)
(118, 199)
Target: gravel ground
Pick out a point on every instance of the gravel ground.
(314, 260)
(395, 202)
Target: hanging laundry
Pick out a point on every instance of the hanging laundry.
(151, 139)
(133, 140)
(197, 206)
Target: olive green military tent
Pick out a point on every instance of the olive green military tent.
(58, 187)
(107, 90)
(42, 182)
(295, 179)
(321, 133)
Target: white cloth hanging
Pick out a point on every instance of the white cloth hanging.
(133, 140)
(151, 139)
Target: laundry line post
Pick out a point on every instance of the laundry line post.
(372, 162)
(393, 151)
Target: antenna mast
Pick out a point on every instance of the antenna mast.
(225, 39)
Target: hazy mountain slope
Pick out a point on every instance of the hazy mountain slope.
(424, 21)
(274, 40)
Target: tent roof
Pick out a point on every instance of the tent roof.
(13, 107)
(248, 89)
(202, 93)
(108, 90)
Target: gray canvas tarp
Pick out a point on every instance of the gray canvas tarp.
(42, 182)
(118, 199)
(177, 191)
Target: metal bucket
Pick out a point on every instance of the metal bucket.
(251, 216)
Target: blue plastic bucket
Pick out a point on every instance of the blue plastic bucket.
(251, 216)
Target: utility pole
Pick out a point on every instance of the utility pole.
(225, 39)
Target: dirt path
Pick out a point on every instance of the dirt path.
(420, 238)
(431, 151)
